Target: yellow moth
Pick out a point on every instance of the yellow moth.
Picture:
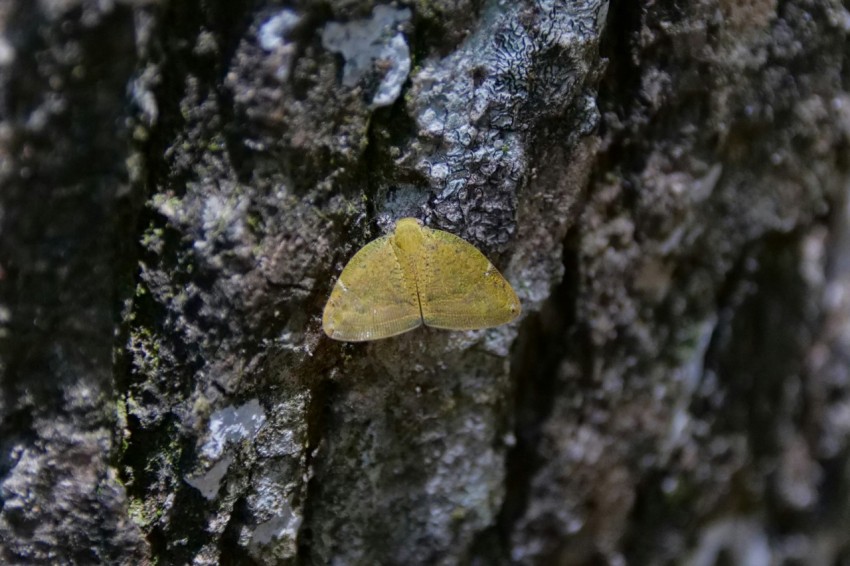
(415, 276)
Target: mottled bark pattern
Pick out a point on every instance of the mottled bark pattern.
(665, 183)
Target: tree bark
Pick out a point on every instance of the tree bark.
(664, 183)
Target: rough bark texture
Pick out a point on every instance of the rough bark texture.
(665, 184)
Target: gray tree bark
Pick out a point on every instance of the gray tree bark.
(665, 184)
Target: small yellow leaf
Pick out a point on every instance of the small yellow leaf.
(416, 276)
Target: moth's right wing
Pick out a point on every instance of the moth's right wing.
(459, 288)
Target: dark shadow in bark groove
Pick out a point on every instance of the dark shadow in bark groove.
(754, 352)
(15, 431)
(232, 554)
(183, 21)
(621, 81)
(174, 51)
(388, 128)
(758, 345)
(317, 417)
(241, 157)
(537, 355)
(189, 511)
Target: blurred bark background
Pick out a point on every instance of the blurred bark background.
(664, 182)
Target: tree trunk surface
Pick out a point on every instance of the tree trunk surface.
(664, 183)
